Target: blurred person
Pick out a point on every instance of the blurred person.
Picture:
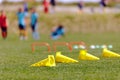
(80, 6)
(53, 4)
(3, 24)
(103, 4)
(57, 32)
(25, 6)
(26, 9)
(22, 23)
(46, 6)
(92, 9)
(34, 24)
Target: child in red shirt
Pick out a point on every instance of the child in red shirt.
(3, 24)
(46, 6)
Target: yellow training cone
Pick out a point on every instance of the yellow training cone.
(50, 62)
(64, 59)
(83, 55)
(107, 53)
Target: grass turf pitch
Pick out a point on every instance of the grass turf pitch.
(16, 58)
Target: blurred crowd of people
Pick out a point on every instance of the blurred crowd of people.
(103, 5)
(49, 5)
(23, 14)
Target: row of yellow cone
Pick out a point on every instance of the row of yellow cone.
(51, 60)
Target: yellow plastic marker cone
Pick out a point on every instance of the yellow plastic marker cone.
(64, 59)
(107, 53)
(83, 55)
(50, 62)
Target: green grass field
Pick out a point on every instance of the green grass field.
(16, 56)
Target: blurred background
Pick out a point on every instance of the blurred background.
(92, 18)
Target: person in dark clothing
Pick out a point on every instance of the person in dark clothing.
(80, 6)
(25, 7)
(53, 4)
(103, 4)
